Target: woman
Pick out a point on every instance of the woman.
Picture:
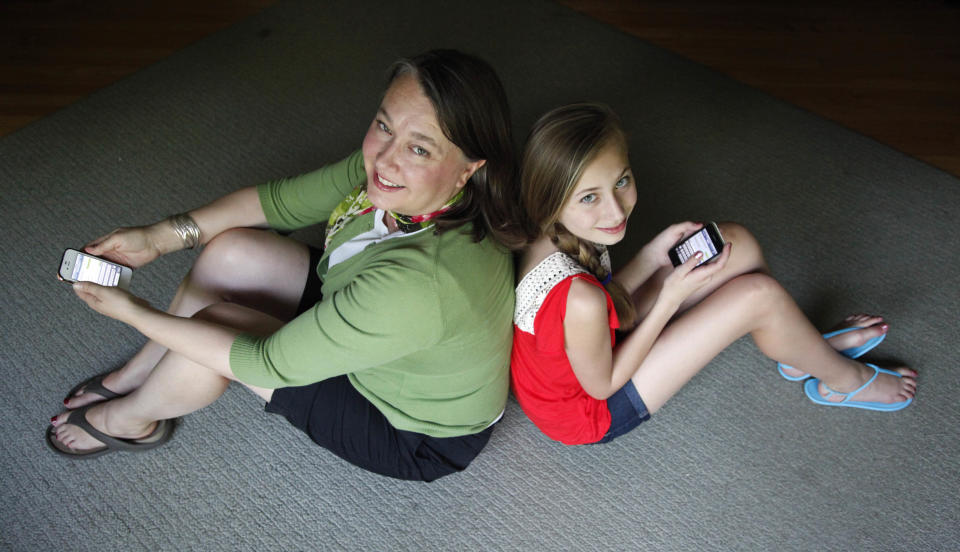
(569, 374)
(360, 345)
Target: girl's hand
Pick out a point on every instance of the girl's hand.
(133, 247)
(114, 302)
(688, 277)
(657, 251)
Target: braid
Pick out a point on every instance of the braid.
(586, 255)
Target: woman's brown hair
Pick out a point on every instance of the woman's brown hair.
(473, 113)
(560, 146)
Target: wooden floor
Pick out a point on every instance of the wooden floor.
(887, 69)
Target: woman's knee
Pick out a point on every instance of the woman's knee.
(746, 249)
(239, 317)
(226, 251)
(215, 312)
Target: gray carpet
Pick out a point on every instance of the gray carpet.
(739, 460)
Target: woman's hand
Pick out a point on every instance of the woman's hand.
(657, 251)
(688, 277)
(114, 302)
(133, 247)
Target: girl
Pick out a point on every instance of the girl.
(569, 374)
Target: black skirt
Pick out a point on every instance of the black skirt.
(337, 417)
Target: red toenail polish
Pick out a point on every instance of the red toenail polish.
(53, 420)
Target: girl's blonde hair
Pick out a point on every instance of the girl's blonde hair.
(560, 146)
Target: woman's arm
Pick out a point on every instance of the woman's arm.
(240, 209)
(139, 245)
(201, 341)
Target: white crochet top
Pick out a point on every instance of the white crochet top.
(536, 284)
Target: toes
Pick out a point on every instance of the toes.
(870, 332)
(80, 399)
(59, 419)
(860, 320)
(907, 373)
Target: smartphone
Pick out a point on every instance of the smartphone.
(76, 266)
(707, 239)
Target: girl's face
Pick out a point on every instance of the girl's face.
(412, 168)
(601, 202)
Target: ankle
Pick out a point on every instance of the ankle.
(116, 422)
(849, 379)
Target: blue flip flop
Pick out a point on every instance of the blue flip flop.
(811, 388)
(852, 352)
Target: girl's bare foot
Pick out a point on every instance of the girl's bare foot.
(886, 388)
(872, 327)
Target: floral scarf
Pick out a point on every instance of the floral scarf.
(357, 204)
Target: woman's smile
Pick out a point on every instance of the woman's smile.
(384, 184)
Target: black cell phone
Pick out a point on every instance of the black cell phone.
(77, 266)
(707, 239)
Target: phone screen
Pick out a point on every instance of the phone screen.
(698, 242)
(92, 269)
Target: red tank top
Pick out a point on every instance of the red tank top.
(543, 381)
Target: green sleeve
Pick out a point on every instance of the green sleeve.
(387, 312)
(308, 199)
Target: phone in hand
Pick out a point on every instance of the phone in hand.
(76, 266)
(707, 239)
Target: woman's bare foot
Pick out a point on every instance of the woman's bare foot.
(78, 440)
(873, 326)
(116, 382)
(886, 388)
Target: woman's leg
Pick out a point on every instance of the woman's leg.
(756, 304)
(175, 387)
(254, 268)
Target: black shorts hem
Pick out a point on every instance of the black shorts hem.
(340, 419)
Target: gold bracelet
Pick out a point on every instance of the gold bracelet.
(187, 229)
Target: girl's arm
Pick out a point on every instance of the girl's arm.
(599, 368)
(603, 370)
(653, 256)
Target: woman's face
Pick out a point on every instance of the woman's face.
(412, 168)
(601, 202)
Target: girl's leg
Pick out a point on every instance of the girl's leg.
(756, 304)
(870, 327)
(175, 387)
(746, 256)
(254, 268)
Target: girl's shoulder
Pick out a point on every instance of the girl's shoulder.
(539, 281)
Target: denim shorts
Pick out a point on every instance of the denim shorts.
(627, 411)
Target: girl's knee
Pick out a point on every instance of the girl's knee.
(758, 289)
(746, 248)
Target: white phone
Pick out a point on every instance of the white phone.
(76, 266)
